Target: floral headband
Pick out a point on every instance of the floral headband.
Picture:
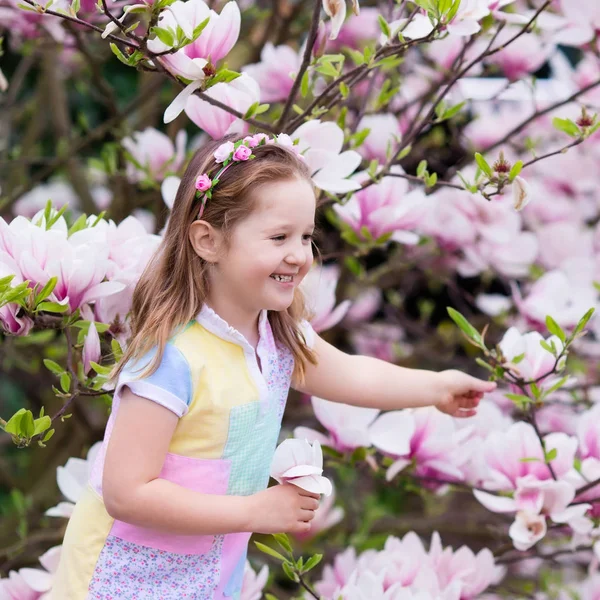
(229, 153)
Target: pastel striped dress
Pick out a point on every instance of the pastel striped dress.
(230, 416)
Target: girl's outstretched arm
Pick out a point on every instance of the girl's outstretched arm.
(134, 493)
(366, 381)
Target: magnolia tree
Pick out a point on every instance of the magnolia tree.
(454, 147)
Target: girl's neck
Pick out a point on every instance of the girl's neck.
(244, 322)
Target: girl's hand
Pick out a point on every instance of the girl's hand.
(460, 394)
(283, 508)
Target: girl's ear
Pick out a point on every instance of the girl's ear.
(206, 241)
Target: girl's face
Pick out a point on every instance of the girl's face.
(270, 251)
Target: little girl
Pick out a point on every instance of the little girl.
(218, 336)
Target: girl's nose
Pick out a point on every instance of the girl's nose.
(297, 256)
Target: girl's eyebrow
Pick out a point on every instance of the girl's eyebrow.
(285, 226)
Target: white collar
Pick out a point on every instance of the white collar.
(211, 321)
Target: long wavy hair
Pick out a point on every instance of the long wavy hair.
(174, 285)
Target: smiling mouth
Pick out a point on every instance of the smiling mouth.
(282, 278)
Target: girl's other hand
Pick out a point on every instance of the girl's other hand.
(459, 394)
(283, 508)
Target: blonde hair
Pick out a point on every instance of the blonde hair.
(174, 285)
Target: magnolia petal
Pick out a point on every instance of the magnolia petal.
(499, 504)
(301, 471)
(464, 28)
(336, 9)
(36, 579)
(168, 190)
(316, 484)
(396, 467)
(62, 509)
(392, 432)
(419, 27)
(101, 290)
(311, 435)
(178, 105)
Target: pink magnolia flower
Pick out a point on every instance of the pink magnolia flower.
(319, 291)
(326, 516)
(588, 471)
(254, 583)
(581, 22)
(537, 361)
(240, 94)
(426, 437)
(475, 572)
(504, 452)
(336, 575)
(154, 153)
(385, 341)
(242, 153)
(384, 129)
(562, 241)
(72, 480)
(79, 262)
(42, 580)
(555, 293)
(336, 9)
(321, 145)
(348, 426)
(527, 530)
(300, 463)
(521, 193)
(385, 208)
(91, 348)
(355, 32)
(466, 21)
(203, 183)
(11, 320)
(588, 433)
(364, 306)
(522, 57)
(14, 587)
(275, 72)
(32, 202)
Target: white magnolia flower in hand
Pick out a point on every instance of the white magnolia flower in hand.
(301, 463)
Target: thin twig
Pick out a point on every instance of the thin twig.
(310, 42)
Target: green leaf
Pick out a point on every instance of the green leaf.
(75, 6)
(566, 126)
(251, 111)
(546, 346)
(165, 36)
(483, 165)
(557, 385)
(13, 426)
(327, 69)
(117, 52)
(283, 541)
(464, 325)
(404, 152)
(27, 424)
(52, 307)
(344, 89)
(551, 455)
(582, 322)
(267, 550)
(305, 84)
(100, 369)
(312, 562)
(46, 290)
(515, 170)
(199, 29)
(289, 571)
(48, 435)
(555, 329)
(54, 367)
(385, 28)
(356, 56)
(421, 168)
(262, 108)
(452, 111)
(65, 382)
(40, 425)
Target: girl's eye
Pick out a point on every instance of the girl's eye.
(308, 237)
(279, 238)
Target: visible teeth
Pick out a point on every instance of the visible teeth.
(282, 277)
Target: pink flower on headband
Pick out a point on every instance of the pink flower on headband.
(242, 153)
(256, 139)
(223, 152)
(203, 183)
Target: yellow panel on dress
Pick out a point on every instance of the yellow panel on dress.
(221, 380)
(86, 533)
